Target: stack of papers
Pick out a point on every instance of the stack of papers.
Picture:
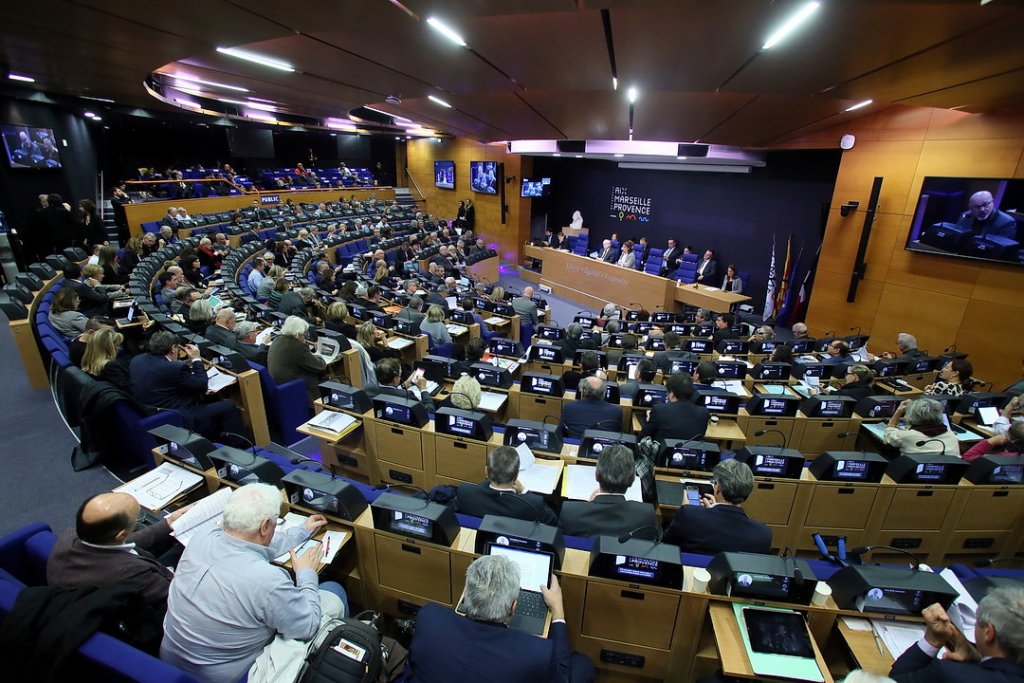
(455, 329)
(492, 401)
(266, 336)
(157, 488)
(505, 364)
(203, 515)
(733, 386)
(331, 421)
(580, 484)
(494, 320)
(399, 343)
(539, 476)
(217, 380)
(333, 540)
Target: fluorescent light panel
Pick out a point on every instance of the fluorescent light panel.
(859, 105)
(256, 59)
(98, 99)
(631, 94)
(615, 83)
(250, 105)
(791, 24)
(446, 31)
(438, 100)
(19, 77)
(214, 84)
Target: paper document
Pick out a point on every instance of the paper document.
(494, 320)
(204, 514)
(580, 484)
(964, 611)
(331, 421)
(454, 329)
(492, 401)
(539, 476)
(399, 343)
(897, 635)
(733, 386)
(266, 336)
(217, 380)
(505, 364)
(157, 488)
(774, 389)
(856, 623)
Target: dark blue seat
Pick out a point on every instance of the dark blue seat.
(287, 406)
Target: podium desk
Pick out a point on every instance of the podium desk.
(346, 454)
(458, 460)
(835, 508)
(815, 435)
(750, 424)
(985, 520)
(725, 432)
(248, 396)
(347, 368)
(711, 298)
(533, 406)
(485, 269)
(557, 369)
(400, 452)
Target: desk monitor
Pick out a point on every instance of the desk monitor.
(799, 346)
(596, 440)
(882, 406)
(538, 436)
(849, 466)
(602, 358)
(661, 317)
(439, 368)
(772, 461)
(615, 340)
(546, 354)
(611, 392)
(404, 411)
(503, 308)
(892, 590)
(521, 534)
(677, 365)
(770, 371)
(465, 423)
(821, 345)
(733, 347)
(629, 362)
(889, 368)
(382, 320)
(823, 405)
(415, 518)
(226, 358)
(718, 401)
(593, 335)
(648, 395)
(184, 445)
(491, 375)
(926, 468)
(324, 493)
(358, 312)
(922, 366)
(407, 327)
(703, 330)
(243, 467)
(542, 383)
(460, 316)
(551, 332)
(996, 469)
(856, 341)
(686, 454)
(637, 560)
(765, 346)
(632, 315)
(679, 328)
(655, 344)
(587, 321)
(502, 347)
(698, 345)
(344, 396)
(773, 405)
(969, 403)
(641, 327)
(730, 369)
(762, 577)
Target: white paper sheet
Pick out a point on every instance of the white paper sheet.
(581, 484)
(539, 476)
(217, 380)
(898, 636)
(331, 421)
(399, 343)
(492, 401)
(203, 515)
(156, 488)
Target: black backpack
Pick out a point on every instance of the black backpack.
(344, 651)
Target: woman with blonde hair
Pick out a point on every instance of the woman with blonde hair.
(433, 326)
(281, 285)
(465, 394)
(267, 286)
(101, 359)
(336, 319)
(498, 294)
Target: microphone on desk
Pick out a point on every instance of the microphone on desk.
(950, 349)
(252, 446)
(861, 550)
(995, 560)
(762, 432)
(649, 527)
(922, 442)
(791, 564)
(855, 327)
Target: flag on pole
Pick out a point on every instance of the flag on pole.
(789, 298)
(780, 293)
(769, 299)
(799, 311)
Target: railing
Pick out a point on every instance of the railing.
(140, 185)
(423, 197)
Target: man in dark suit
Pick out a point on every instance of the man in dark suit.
(984, 219)
(642, 251)
(246, 333)
(723, 328)
(995, 656)
(105, 549)
(859, 382)
(707, 269)
(590, 366)
(590, 410)
(645, 373)
(671, 258)
(906, 346)
(719, 524)
(673, 350)
(480, 646)
(413, 311)
(170, 219)
(525, 307)
(502, 493)
(680, 418)
(160, 380)
(607, 253)
(389, 383)
(295, 302)
(222, 331)
(608, 512)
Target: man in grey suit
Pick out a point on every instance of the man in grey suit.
(222, 331)
(413, 311)
(525, 307)
(608, 512)
(607, 253)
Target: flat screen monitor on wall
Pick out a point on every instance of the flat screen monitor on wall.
(30, 147)
(535, 187)
(977, 218)
(444, 174)
(484, 176)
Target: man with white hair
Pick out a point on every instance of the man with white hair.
(170, 220)
(227, 600)
(223, 331)
(607, 253)
(985, 220)
(800, 331)
(906, 346)
(480, 646)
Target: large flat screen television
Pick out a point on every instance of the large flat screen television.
(30, 147)
(977, 218)
(535, 187)
(444, 174)
(483, 176)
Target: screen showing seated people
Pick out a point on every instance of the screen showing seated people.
(898, 600)
(975, 218)
(535, 439)
(650, 397)
(766, 585)
(535, 187)
(854, 470)
(444, 174)
(483, 176)
(30, 147)
(408, 523)
(320, 501)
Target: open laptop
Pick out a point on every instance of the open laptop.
(129, 317)
(987, 415)
(534, 569)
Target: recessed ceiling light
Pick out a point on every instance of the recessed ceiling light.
(859, 105)
(556, 154)
(799, 17)
(615, 83)
(256, 59)
(631, 94)
(19, 77)
(397, 138)
(620, 155)
(446, 31)
(187, 103)
(192, 80)
(88, 114)
(260, 117)
(681, 158)
(97, 118)
(438, 100)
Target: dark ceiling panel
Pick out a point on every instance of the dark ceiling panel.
(770, 116)
(683, 116)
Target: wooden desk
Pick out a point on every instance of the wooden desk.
(594, 283)
(869, 653)
(711, 298)
(485, 271)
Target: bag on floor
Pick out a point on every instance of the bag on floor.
(344, 651)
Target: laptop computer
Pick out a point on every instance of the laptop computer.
(127, 320)
(535, 568)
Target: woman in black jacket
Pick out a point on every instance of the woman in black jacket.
(859, 380)
(91, 231)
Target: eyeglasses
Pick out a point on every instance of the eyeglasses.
(713, 482)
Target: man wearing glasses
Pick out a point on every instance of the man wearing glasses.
(985, 220)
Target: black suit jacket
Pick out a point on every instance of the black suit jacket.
(609, 514)
(663, 359)
(914, 666)
(671, 259)
(480, 499)
(857, 390)
(710, 271)
(713, 530)
(161, 383)
(590, 413)
(676, 420)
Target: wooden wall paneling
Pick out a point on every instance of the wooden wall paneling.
(842, 237)
(933, 317)
(894, 160)
(829, 310)
(993, 334)
(932, 273)
(1002, 285)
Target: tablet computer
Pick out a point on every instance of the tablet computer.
(778, 633)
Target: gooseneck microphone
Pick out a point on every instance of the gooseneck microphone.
(630, 534)
(762, 432)
(861, 550)
(921, 443)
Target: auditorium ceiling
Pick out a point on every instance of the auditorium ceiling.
(531, 69)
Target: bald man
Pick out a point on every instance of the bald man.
(104, 549)
(525, 306)
(985, 220)
(590, 410)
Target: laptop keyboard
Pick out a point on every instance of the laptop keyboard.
(531, 605)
